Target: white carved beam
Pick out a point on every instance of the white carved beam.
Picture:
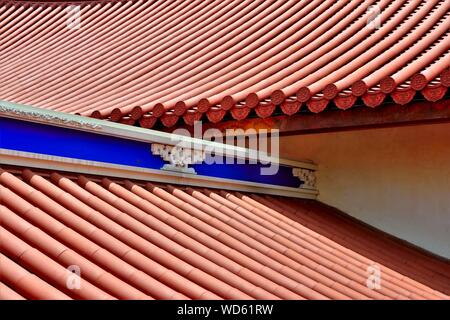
(307, 176)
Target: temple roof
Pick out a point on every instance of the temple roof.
(136, 240)
(148, 61)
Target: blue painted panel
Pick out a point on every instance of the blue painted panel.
(38, 138)
(248, 172)
(70, 143)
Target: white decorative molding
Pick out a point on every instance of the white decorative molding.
(307, 176)
(41, 161)
(47, 118)
(180, 158)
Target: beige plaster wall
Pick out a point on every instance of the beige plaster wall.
(396, 179)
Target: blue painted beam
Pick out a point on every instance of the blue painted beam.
(70, 143)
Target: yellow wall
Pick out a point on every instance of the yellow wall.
(396, 179)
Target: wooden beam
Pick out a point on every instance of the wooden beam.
(390, 115)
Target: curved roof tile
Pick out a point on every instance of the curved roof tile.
(143, 241)
(144, 61)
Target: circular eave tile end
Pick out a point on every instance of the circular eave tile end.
(252, 100)
(116, 115)
(227, 103)
(147, 122)
(203, 105)
(418, 81)
(277, 97)
(180, 108)
(266, 110)
(136, 113)
(240, 113)
(387, 85)
(359, 88)
(303, 94)
(158, 110)
(96, 114)
(169, 119)
(191, 116)
(215, 115)
(290, 107)
(317, 106)
(330, 91)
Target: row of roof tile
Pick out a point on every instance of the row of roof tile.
(148, 61)
(143, 241)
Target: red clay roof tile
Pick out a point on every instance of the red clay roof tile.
(143, 61)
(135, 241)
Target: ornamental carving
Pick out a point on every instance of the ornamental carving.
(47, 118)
(307, 176)
(179, 158)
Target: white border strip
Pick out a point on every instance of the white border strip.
(40, 161)
(65, 120)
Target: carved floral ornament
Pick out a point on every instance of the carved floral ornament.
(179, 158)
(307, 176)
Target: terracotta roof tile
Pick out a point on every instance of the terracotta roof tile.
(143, 241)
(144, 61)
(6, 293)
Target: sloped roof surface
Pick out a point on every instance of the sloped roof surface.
(146, 241)
(144, 61)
